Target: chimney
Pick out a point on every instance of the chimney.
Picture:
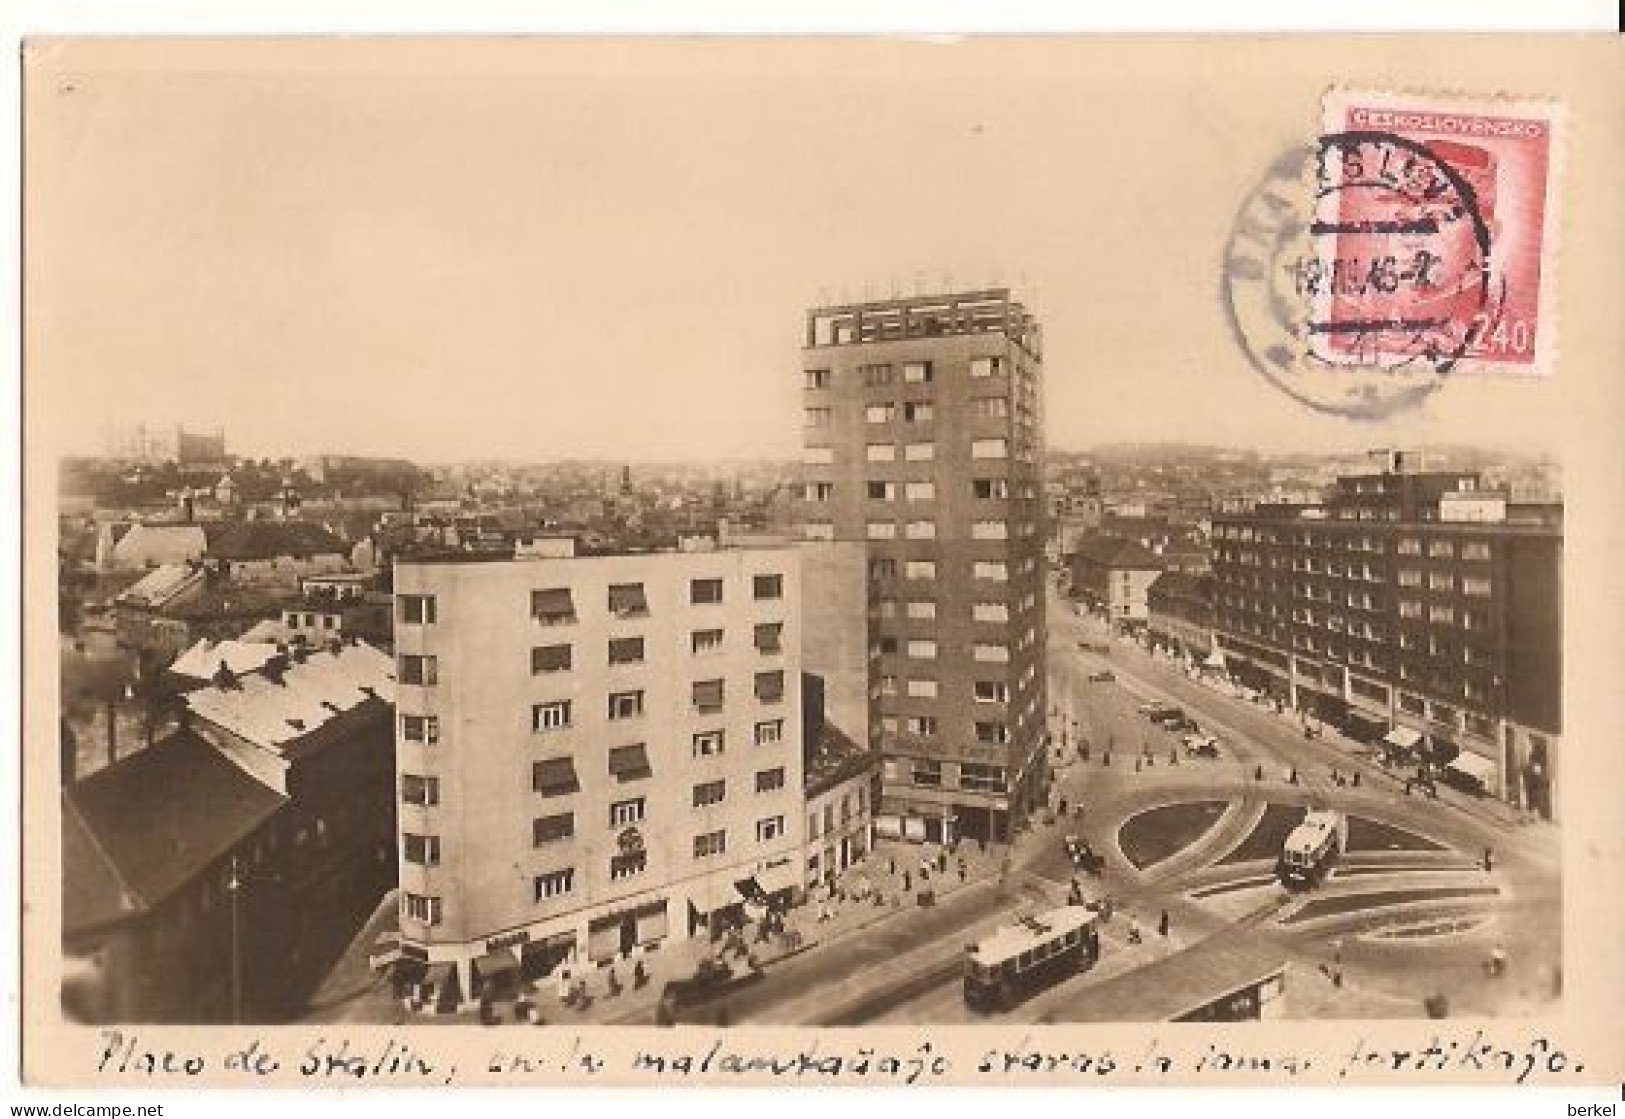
(276, 666)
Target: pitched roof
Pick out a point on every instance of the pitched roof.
(202, 660)
(272, 713)
(257, 540)
(1106, 550)
(148, 824)
(160, 585)
(1180, 584)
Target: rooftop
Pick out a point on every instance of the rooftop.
(258, 540)
(274, 710)
(141, 828)
(1106, 550)
(984, 311)
(834, 758)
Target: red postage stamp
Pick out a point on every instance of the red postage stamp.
(1430, 226)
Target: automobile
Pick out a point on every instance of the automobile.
(1104, 676)
(1157, 712)
(1083, 857)
(1179, 724)
(1201, 745)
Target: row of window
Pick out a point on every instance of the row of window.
(766, 637)
(925, 451)
(928, 773)
(926, 649)
(982, 489)
(998, 571)
(911, 411)
(1475, 550)
(861, 795)
(879, 374)
(923, 687)
(707, 698)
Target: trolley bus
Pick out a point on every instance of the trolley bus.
(1036, 952)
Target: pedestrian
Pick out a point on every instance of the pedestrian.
(1292, 777)
(907, 881)
(1355, 780)
(1162, 924)
(1063, 806)
(962, 871)
(1258, 773)
(1489, 860)
(1106, 759)
(1136, 765)
(891, 865)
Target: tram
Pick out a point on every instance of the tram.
(1312, 847)
(1037, 952)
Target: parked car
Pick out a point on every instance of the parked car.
(1157, 712)
(1083, 857)
(1201, 745)
(1104, 676)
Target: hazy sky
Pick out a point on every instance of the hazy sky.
(539, 251)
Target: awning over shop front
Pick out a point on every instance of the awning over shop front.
(1403, 738)
(385, 950)
(493, 964)
(1479, 768)
(777, 878)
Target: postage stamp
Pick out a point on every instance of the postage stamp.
(1410, 241)
(1431, 218)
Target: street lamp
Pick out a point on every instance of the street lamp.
(234, 888)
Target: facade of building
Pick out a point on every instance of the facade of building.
(1113, 575)
(923, 421)
(215, 875)
(1180, 613)
(595, 754)
(1411, 608)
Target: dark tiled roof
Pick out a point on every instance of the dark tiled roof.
(1105, 550)
(157, 819)
(257, 540)
(93, 895)
(833, 759)
(1180, 584)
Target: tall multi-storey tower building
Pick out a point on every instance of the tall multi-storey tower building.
(596, 753)
(923, 439)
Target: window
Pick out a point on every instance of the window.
(630, 763)
(769, 828)
(628, 864)
(994, 570)
(549, 658)
(550, 716)
(705, 592)
(1409, 577)
(990, 407)
(921, 530)
(1475, 550)
(1409, 608)
(627, 600)
(888, 684)
(625, 705)
(710, 844)
(554, 777)
(420, 728)
(922, 649)
(1441, 581)
(553, 607)
(1441, 614)
(882, 569)
(986, 489)
(625, 812)
(922, 609)
(705, 640)
(551, 829)
(992, 691)
(417, 609)
(981, 778)
(927, 773)
(817, 378)
(920, 569)
(921, 726)
(989, 448)
(770, 780)
(819, 417)
(1475, 585)
(424, 910)
(767, 587)
(990, 654)
(881, 491)
(707, 793)
(770, 686)
(707, 696)
(818, 530)
(769, 732)
(555, 883)
(1441, 549)
(881, 530)
(990, 612)
(423, 850)
(875, 375)
(626, 650)
(879, 413)
(922, 688)
(419, 670)
(422, 791)
(916, 412)
(769, 638)
(992, 734)
(708, 743)
(1409, 546)
(919, 452)
(986, 366)
(917, 372)
(880, 452)
(920, 491)
(997, 530)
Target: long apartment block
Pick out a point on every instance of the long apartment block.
(596, 753)
(923, 440)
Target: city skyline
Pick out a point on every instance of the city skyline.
(313, 247)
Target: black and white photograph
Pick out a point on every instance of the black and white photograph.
(1041, 537)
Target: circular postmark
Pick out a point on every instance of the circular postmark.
(1358, 273)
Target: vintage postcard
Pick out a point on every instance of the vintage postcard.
(823, 562)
